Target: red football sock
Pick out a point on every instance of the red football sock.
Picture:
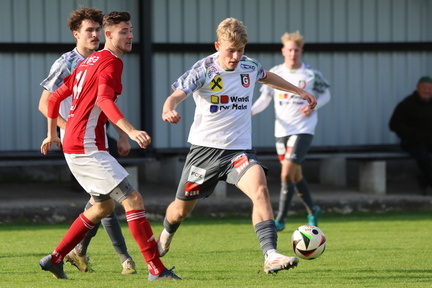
(77, 231)
(142, 233)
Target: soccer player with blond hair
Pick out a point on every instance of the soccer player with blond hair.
(222, 86)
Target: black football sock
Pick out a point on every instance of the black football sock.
(113, 229)
(267, 235)
(285, 197)
(305, 195)
(170, 228)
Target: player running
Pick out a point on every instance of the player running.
(222, 85)
(294, 124)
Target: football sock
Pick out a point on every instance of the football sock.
(285, 197)
(82, 247)
(77, 231)
(112, 227)
(142, 233)
(170, 228)
(304, 195)
(269, 252)
(267, 235)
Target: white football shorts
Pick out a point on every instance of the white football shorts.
(98, 172)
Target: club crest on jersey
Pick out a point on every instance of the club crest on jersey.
(302, 84)
(212, 70)
(216, 84)
(245, 80)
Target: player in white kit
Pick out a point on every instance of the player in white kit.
(294, 124)
(222, 85)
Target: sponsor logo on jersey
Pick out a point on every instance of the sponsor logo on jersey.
(91, 60)
(224, 101)
(216, 84)
(288, 98)
(245, 80)
(247, 66)
(214, 108)
(240, 163)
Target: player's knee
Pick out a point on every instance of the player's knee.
(133, 202)
(262, 194)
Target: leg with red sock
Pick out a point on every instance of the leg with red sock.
(142, 233)
(77, 231)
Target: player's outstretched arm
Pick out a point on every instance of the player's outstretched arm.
(169, 113)
(279, 83)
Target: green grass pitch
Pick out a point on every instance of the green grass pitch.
(363, 250)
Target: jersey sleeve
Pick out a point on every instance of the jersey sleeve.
(192, 79)
(323, 98)
(262, 74)
(264, 100)
(320, 83)
(56, 75)
(109, 88)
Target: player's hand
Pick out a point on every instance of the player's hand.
(306, 111)
(47, 144)
(141, 137)
(171, 116)
(123, 146)
(309, 98)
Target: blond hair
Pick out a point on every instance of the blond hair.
(232, 30)
(295, 37)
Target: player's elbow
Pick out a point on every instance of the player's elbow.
(101, 102)
(43, 108)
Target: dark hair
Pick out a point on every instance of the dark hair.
(78, 16)
(115, 17)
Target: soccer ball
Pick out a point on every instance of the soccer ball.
(308, 242)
